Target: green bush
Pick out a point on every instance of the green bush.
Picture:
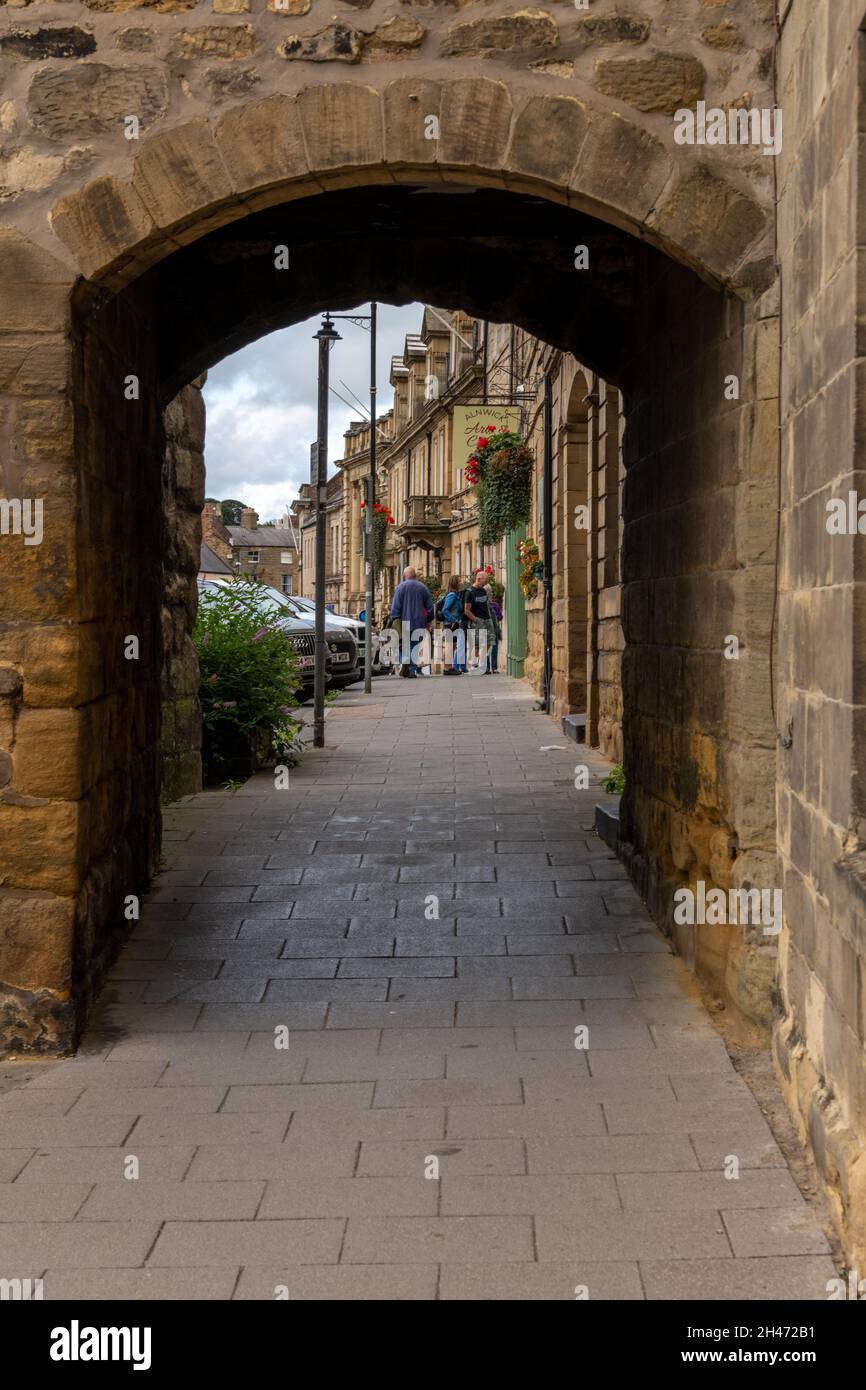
(249, 674)
(614, 782)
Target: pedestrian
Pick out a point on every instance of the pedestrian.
(412, 607)
(496, 613)
(456, 622)
(476, 605)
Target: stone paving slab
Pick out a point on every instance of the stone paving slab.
(333, 1091)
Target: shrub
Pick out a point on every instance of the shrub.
(614, 782)
(248, 673)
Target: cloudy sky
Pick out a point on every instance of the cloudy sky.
(261, 405)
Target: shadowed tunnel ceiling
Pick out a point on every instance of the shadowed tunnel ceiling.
(504, 256)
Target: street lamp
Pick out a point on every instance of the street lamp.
(327, 335)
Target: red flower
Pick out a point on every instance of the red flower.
(482, 443)
(491, 429)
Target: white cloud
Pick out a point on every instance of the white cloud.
(262, 405)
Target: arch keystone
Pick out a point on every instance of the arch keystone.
(475, 124)
(546, 139)
(262, 145)
(409, 102)
(179, 174)
(342, 126)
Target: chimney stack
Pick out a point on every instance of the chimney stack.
(249, 518)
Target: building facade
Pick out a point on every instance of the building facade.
(266, 553)
(454, 378)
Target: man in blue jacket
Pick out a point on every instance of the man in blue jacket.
(412, 607)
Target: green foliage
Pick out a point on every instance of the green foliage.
(614, 782)
(435, 583)
(248, 673)
(502, 472)
(380, 535)
(496, 590)
(230, 511)
(232, 784)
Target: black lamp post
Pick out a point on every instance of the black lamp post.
(327, 335)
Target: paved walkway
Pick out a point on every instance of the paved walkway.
(416, 1041)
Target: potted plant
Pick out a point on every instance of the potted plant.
(531, 566)
(382, 519)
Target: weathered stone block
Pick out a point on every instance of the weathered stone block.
(49, 754)
(664, 83)
(476, 120)
(396, 38)
(611, 28)
(58, 828)
(136, 40)
(710, 219)
(180, 172)
(71, 42)
(409, 104)
(93, 99)
(342, 125)
(226, 41)
(263, 143)
(519, 31)
(725, 35)
(62, 666)
(124, 6)
(547, 138)
(621, 167)
(102, 223)
(36, 941)
(338, 43)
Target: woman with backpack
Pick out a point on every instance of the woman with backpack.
(450, 610)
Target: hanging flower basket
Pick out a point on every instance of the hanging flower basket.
(382, 519)
(531, 567)
(500, 470)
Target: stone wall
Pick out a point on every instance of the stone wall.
(604, 727)
(697, 570)
(821, 1028)
(182, 501)
(122, 89)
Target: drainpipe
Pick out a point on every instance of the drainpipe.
(547, 512)
(484, 366)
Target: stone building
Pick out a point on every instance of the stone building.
(266, 553)
(303, 511)
(152, 159)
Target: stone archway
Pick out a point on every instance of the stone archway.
(175, 268)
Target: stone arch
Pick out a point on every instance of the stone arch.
(599, 162)
(145, 298)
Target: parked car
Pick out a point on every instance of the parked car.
(343, 661)
(381, 657)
